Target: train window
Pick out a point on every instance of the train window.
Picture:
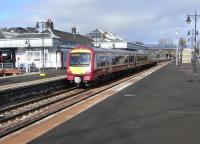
(131, 59)
(102, 61)
(141, 58)
(117, 58)
(138, 58)
(79, 59)
(114, 60)
(126, 59)
(121, 59)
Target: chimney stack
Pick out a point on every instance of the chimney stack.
(49, 24)
(73, 30)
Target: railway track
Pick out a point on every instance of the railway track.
(22, 108)
(18, 116)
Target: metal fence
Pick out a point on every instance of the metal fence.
(7, 65)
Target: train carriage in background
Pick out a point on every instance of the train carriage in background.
(86, 64)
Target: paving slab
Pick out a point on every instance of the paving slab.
(31, 77)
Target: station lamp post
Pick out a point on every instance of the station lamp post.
(177, 47)
(195, 17)
(42, 73)
(191, 37)
(27, 43)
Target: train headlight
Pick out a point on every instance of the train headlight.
(77, 80)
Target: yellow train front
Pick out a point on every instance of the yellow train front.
(80, 65)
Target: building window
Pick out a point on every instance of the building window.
(72, 43)
(33, 55)
(30, 53)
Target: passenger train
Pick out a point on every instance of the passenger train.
(86, 65)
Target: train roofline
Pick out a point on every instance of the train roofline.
(106, 50)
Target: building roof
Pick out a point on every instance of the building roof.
(101, 36)
(48, 33)
(7, 35)
(161, 46)
(32, 35)
(20, 30)
(1, 35)
(66, 36)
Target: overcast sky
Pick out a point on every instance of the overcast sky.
(134, 20)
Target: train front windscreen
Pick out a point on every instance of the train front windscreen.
(80, 59)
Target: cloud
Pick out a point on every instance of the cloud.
(144, 20)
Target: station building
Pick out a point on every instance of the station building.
(46, 49)
(187, 55)
(108, 40)
(162, 51)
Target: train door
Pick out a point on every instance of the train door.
(128, 60)
(109, 62)
(137, 60)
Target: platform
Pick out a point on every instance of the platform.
(31, 77)
(162, 108)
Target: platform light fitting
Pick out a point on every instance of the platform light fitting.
(188, 19)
